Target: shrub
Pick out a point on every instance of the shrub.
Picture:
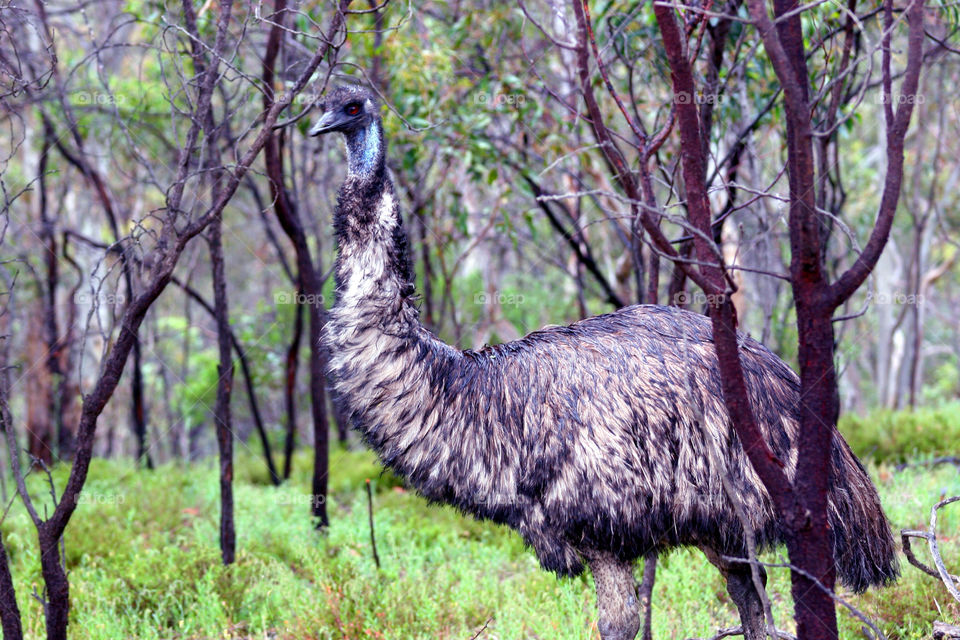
(896, 436)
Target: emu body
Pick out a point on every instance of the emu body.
(589, 440)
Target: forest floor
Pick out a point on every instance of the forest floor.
(144, 563)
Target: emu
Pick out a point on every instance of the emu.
(589, 440)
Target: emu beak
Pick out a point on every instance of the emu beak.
(326, 123)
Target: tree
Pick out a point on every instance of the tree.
(802, 505)
(183, 217)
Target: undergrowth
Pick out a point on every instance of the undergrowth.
(898, 436)
(143, 561)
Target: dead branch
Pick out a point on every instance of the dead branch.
(949, 580)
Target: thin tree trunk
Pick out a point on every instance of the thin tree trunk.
(69, 389)
(53, 360)
(56, 607)
(290, 389)
(653, 282)
(183, 433)
(678, 279)
(321, 429)
(222, 414)
(224, 388)
(137, 407)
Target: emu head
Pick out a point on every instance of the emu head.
(354, 112)
(347, 110)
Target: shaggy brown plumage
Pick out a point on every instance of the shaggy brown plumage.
(586, 438)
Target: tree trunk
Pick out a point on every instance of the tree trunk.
(224, 388)
(290, 388)
(56, 607)
(55, 349)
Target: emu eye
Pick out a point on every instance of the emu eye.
(352, 109)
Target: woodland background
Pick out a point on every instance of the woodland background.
(154, 168)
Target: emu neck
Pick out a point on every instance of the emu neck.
(365, 150)
(372, 269)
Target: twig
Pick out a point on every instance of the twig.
(373, 537)
(949, 580)
(38, 462)
(483, 628)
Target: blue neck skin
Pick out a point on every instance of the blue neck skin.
(365, 150)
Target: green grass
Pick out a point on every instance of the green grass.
(144, 563)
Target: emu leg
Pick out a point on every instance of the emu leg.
(743, 593)
(616, 596)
